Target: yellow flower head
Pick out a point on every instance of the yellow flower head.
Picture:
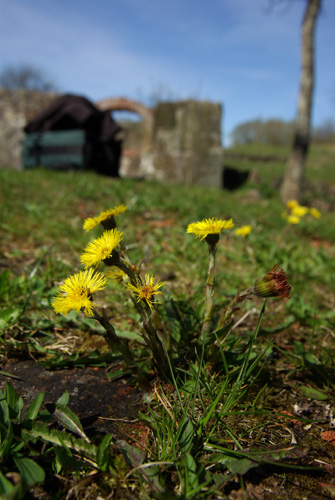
(291, 204)
(101, 248)
(315, 213)
(299, 211)
(76, 292)
(293, 219)
(243, 231)
(104, 218)
(209, 226)
(147, 290)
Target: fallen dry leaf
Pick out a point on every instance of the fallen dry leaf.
(328, 436)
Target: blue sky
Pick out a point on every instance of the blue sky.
(235, 52)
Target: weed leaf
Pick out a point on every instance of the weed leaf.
(30, 471)
(103, 453)
(6, 487)
(64, 399)
(312, 393)
(35, 406)
(60, 438)
(68, 418)
(185, 436)
(6, 443)
(240, 466)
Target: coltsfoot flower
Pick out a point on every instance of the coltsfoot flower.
(299, 211)
(209, 226)
(147, 290)
(76, 292)
(291, 204)
(101, 249)
(315, 213)
(273, 284)
(293, 219)
(243, 231)
(106, 218)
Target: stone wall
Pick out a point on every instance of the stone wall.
(180, 142)
(187, 145)
(16, 109)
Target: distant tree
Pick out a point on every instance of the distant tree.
(273, 132)
(324, 133)
(292, 183)
(25, 76)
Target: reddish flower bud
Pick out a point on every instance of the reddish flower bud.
(274, 284)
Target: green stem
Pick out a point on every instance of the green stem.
(115, 343)
(209, 301)
(160, 355)
(228, 312)
(129, 272)
(241, 379)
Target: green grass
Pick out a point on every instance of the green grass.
(214, 423)
(319, 167)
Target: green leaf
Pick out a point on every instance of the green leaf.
(190, 471)
(40, 430)
(4, 282)
(35, 406)
(68, 418)
(65, 461)
(30, 471)
(4, 411)
(311, 393)
(185, 435)
(103, 453)
(221, 332)
(133, 456)
(6, 486)
(64, 399)
(130, 335)
(9, 375)
(212, 336)
(278, 328)
(6, 443)
(8, 316)
(15, 403)
(240, 466)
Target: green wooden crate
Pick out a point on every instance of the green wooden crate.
(55, 149)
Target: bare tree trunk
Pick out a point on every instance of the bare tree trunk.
(291, 188)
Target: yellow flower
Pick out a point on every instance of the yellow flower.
(104, 217)
(147, 290)
(315, 213)
(299, 211)
(293, 219)
(243, 231)
(101, 248)
(77, 292)
(209, 226)
(291, 204)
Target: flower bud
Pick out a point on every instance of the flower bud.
(273, 284)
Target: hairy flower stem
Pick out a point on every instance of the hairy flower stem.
(116, 344)
(127, 269)
(159, 353)
(209, 301)
(232, 306)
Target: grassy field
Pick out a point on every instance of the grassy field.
(247, 421)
